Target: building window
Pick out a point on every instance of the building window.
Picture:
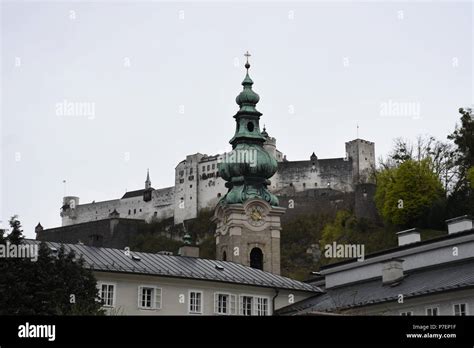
(149, 297)
(134, 211)
(261, 306)
(190, 186)
(107, 294)
(224, 303)
(256, 258)
(246, 303)
(218, 195)
(224, 256)
(213, 166)
(195, 302)
(304, 185)
(315, 184)
(191, 171)
(129, 211)
(190, 198)
(203, 168)
(406, 314)
(181, 181)
(460, 309)
(140, 210)
(432, 311)
(208, 167)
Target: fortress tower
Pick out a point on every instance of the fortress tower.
(248, 216)
(362, 153)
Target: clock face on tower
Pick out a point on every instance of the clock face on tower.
(255, 216)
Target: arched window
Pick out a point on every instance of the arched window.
(224, 256)
(256, 258)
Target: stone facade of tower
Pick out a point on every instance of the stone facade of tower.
(246, 229)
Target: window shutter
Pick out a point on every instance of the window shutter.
(241, 305)
(233, 303)
(139, 297)
(216, 303)
(157, 298)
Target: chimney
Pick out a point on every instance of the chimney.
(459, 224)
(392, 271)
(408, 236)
(187, 249)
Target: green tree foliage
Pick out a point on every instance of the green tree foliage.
(470, 176)
(461, 201)
(54, 284)
(406, 192)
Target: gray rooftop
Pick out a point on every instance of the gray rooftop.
(115, 260)
(420, 282)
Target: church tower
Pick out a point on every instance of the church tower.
(248, 216)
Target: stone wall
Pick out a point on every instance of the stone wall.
(111, 233)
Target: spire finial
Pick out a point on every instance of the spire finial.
(148, 181)
(247, 55)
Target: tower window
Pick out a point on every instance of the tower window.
(190, 186)
(224, 256)
(250, 126)
(134, 211)
(129, 211)
(203, 168)
(213, 166)
(208, 167)
(256, 258)
(218, 195)
(304, 184)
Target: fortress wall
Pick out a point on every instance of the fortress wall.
(304, 175)
(111, 233)
(186, 188)
(319, 201)
(90, 212)
(211, 187)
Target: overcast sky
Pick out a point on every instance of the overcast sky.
(160, 80)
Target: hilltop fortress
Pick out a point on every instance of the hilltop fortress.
(198, 185)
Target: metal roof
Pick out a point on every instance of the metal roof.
(420, 282)
(115, 260)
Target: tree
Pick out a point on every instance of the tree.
(461, 201)
(16, 234)
(55, 284)
(440, 154)
(406, 192)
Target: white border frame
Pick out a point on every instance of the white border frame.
(430, 307)
(155, 307)
(189, 301)
(114, 297)
(459, 303)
